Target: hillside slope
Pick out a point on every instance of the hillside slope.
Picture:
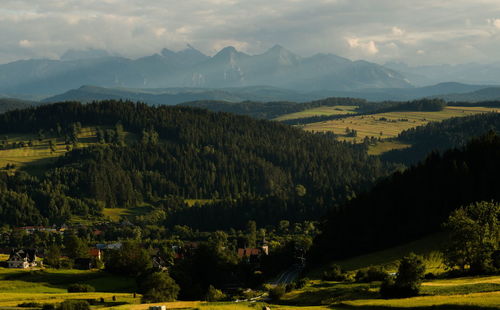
(182, 153)
(413, 203)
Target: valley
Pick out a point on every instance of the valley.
(249, 155)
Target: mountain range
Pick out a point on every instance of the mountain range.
(469, 73)
(171, 96)
(277, 67)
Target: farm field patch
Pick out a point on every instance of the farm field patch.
(390, 124)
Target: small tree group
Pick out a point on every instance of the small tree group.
(159, 287)
(408, 280)
(334, 273)
(474, 238)
(371, 274)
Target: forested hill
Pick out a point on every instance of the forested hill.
(7, 104)
(414, 203)
(270, 110)
(180, 153)
(439, 136)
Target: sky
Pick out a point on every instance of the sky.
(416, 32)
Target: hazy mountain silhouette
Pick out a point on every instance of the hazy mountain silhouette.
(277, 67)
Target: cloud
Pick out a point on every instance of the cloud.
(495, 22)
(397, 31)
(368, 47)
(25, 43)
(374, 30)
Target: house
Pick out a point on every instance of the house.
(249, 252)
(95, 253)
(22, 259)
(110, 246)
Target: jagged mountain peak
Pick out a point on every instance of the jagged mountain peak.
(281, 55)
(167, 52)
(230, 54)
(227, 50)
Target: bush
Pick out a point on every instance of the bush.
(388, 288)
(430, 276)
(29, 305)
(214, 294)
(277, 292)
(74, 305)
(334, 273)
(410, 274)
(48, 307)
(371, 274)
(66, 264)
(80, 288)
(158, 287)
(290, 287)
(300, 283)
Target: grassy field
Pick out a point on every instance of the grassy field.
(40, 153)
(389, 125)
(480, 291)
(388, 258)
(50, 286)
(320, 111)
(192, 202)
(473, 301)
(34, 158)
(385, 146)
(57, 281)
(217, 306)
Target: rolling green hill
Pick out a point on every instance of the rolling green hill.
(179, 153)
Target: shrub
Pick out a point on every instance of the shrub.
(290, 287)
(410, 274)
(214, 294)
(334, 273)
(80, 288)
(277, 292)
(300, 283)
(66, 263)
(158, 287)
(388, 288)
(371, 274)
(48, 307)
(74, 305)
(430, 276)
(29, 305)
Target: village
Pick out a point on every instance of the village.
(93, 256)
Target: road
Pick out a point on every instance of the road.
(288, 276)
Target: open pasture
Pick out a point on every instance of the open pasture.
(320, 111)
(39, 153)
(390, 124)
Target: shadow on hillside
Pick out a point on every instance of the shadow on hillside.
(100, 280)
(332, 293)
(342, 306)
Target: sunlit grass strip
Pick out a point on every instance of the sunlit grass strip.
(13, 299)
(390, 124)
(490, 299)
(320, 111)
